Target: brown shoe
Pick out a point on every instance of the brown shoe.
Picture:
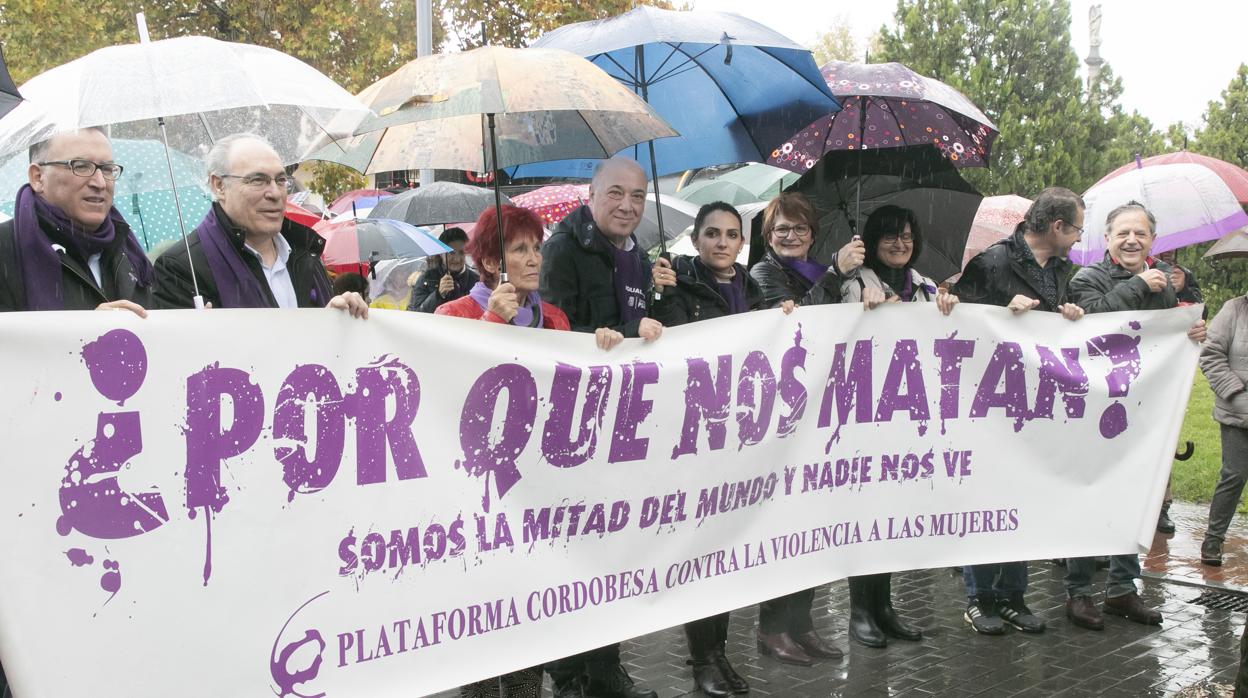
(784, 649)
(1130, 606)
(1083, 613)
(816, 646)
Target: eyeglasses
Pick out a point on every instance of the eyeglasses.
(783, 231)
(893, 238)
(86, 168)
(1076, 227)
(259, 180)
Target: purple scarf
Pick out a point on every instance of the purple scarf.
(237, 285)
(629, 280)
(529, 315)
(732, 290)
(811, 271)
(40, 265)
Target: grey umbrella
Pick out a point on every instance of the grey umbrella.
(8, 91)
(1231, 246)
(440, 202)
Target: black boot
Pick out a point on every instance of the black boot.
(706, 673)
(1164, 524)
(611, 680)
(736, 682)
(565, 684)
(886, 617)
(862, 626)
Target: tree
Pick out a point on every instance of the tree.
(837, 43)
(516, 23)
(1225, 135)
(35, 32)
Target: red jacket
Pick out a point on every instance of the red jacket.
(552, 317)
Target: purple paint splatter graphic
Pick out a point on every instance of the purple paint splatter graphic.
(110, 581)
(1124, 351)
(117, 362)
(279, 662)
(484, 452)
(79, 557)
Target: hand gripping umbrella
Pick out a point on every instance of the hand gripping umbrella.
(494, 108)
(187, 92)
(734, 88)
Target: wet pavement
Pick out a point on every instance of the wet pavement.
(1194, 653)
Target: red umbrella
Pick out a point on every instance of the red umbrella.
(1235, 177)
(301, 215)
(361, 198)
(552, 204)
(996, 219)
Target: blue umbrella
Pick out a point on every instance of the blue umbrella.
(734, 89)
(364, 240)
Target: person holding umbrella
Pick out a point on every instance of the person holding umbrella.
(594, 271)
(67, 247)
(246, 253)
(704, 287)
(893, 241)
(1027, 271)
(447, 278)
(787, 275)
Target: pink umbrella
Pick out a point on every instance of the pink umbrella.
(359, 198)
(552, 204)
(1235, 177)
(996, 219)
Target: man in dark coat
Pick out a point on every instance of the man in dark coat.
(246, 253)
(1025, 271)
(594, 271)
(440, 284)
(1127, 279)
(66, 247)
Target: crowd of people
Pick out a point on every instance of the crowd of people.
(67, 248)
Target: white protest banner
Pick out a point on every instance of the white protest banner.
(245, 503)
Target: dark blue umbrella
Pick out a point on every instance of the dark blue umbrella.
(734, 89)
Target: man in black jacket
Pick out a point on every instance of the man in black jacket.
(246, 253)
(440, 284)
(1025, 271)
(594, 271)
(66, 247)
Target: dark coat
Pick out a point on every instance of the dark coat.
(173, 271)
(996, 275)
(78, 285)
(425, 297)
(780, 283)
(1106, 287)
(578, 275)
(695, 298)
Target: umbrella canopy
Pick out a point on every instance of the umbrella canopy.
(1235, 177)
(204, 88)
(360, 240)
(733, 88)
(709, 190)
(301, 215)
(1231, 246)
(887, 105)
(308, 200)
(1191, 203)
(439, 202)
(9, 97)
(995, 220)
(919, 178)
(547, 104)
(389, 276)
(359, 198)
(555, 202)
(678, 214)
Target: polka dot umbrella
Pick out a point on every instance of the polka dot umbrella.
(554, 203)
(887, 105)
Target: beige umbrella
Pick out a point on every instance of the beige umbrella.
(1230, 246)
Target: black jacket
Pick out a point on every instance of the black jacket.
(173, 272)
(996, 275)
(578, 275)
(425, 298)
(78, 285)
(695, 297)
(780, 283)
(1105, 287)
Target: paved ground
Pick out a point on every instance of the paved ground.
(1194, 653)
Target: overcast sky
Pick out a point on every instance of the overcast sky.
(1173, 58)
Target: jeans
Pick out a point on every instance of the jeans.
(1002, 579)
(1230, 483)
(1123, 571)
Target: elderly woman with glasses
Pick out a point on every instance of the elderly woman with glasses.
(787, 274)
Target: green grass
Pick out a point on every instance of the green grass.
(1193, 480)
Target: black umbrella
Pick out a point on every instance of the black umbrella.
(8, 91)
(846, 186)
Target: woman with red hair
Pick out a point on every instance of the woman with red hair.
(515, 302)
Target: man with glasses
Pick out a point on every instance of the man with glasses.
(66, 247)
(1026, 271)
(246, 253)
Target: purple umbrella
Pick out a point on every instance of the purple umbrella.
(887, 105)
